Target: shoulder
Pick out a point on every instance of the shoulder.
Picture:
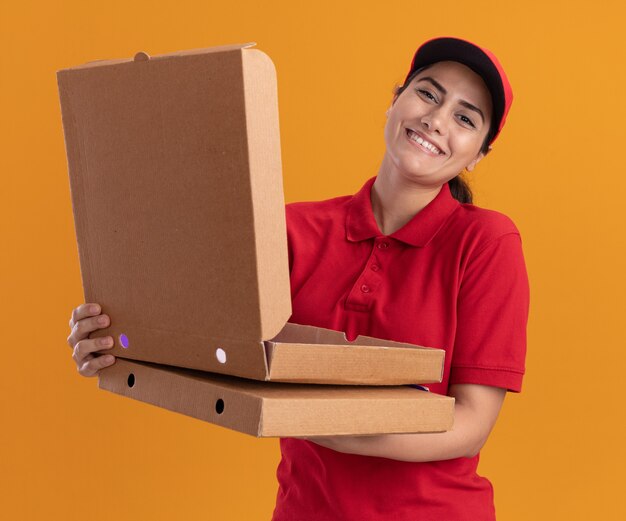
(317, 213)
(480, 226)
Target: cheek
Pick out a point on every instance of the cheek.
(390, 129)
(468, 146)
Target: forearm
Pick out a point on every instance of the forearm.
(469, 433)
(456, 443)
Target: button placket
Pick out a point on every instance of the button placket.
(363, 293)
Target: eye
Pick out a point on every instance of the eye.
(426, 94)
(467, 120)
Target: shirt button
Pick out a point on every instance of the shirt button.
(365, 288)
(375, 267)
(383, 245)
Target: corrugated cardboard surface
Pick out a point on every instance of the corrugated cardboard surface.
(160, 156)
(285, 410)
(175, 174)
(296, 353)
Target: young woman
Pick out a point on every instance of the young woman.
(407, 258)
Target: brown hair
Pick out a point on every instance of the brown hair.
(459, 187)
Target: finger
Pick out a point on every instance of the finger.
(83, 327)
(92, 367)
(88, 309)
(86, 347)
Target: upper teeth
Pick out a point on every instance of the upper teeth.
(423, 142)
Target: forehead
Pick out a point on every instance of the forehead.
(459, 81)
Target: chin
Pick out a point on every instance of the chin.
(416, 171)
(424, 180)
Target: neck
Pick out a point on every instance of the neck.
(396, 199)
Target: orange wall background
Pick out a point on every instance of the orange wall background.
(69, 451)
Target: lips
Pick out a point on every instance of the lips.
(412, 135)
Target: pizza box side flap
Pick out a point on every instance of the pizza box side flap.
(313, 354)
(357, 411)
(266, 181)
(177, 391)
(353, 364)
(190, 350)
(275, 409)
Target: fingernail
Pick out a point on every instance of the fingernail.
(102, 320)
(95, 309)
(108, 359)
(108, 341)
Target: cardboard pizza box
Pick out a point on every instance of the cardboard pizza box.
(176, 185)
(268, 409)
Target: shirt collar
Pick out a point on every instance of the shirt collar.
(361, 223)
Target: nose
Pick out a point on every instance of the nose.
(434, 120)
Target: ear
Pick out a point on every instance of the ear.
(391, 106)
(473, 164)
(393, 102)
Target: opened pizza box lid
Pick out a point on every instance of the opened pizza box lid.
(176, 184)
(268, 409)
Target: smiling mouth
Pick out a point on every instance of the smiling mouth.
(427, 146)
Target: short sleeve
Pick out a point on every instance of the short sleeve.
(492, 316)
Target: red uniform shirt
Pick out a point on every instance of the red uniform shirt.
(453, 277)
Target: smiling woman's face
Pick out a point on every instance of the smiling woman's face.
(437, 125)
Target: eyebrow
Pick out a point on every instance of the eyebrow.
(440, 88)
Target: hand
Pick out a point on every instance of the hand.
(85, 319)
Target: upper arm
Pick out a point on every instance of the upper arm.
(492, 314)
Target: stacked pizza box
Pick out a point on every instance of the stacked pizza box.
(176, 183)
